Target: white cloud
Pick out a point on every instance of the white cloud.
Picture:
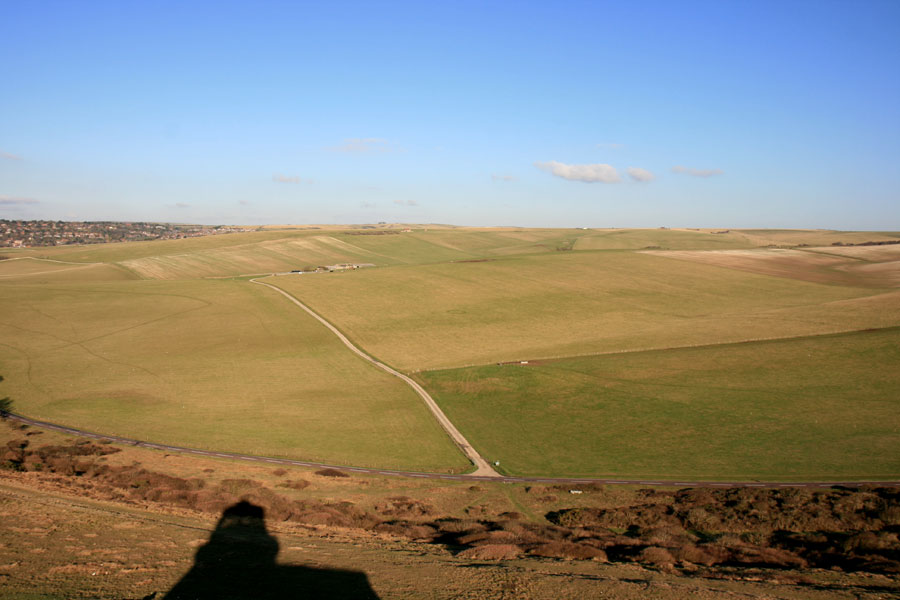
(639, 174)
(9, 156)
(406, 202)
(15, 200)
(696, 172)
(180, 205)
(588, 173)
(363, 146)
(506, 178)
(279, 178)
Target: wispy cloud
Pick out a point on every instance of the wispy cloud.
(596, 173)
(9, 155)
(179, 205)
(279, 178)
(16, 200)
(506, 178)
(610, 145)
(365, 204)
(639, 174)
(363, 146)
(406, 203)
(244, 202)
(696, 172)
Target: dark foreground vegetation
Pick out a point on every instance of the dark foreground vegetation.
(701, 531)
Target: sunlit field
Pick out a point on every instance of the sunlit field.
(820, 407)
(634, 338)
(224, 365)
(571, 303)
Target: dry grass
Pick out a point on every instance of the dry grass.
(564, 304)
(60, 546)
(227, 365)
(215, 364)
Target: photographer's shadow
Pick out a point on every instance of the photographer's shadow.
(238, 563)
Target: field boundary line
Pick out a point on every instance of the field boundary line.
(482, 467)
(574, 481)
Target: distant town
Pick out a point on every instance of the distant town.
(25, 234)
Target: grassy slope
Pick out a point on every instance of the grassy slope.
(227, 364)
(216, 364)
(821, 407)
(570, 303)
(284, 250)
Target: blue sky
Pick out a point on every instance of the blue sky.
(602, 114)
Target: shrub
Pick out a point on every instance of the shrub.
(294, 484)
(569, 550)
(331, 473)
(660, 557)
(492, 552)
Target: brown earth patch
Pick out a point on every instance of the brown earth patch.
(742, 528)
(492, 552)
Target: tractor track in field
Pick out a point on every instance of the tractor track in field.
(446, 476)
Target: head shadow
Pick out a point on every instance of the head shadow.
(239, 563)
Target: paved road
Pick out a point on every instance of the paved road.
(573, 481)
(482, 467)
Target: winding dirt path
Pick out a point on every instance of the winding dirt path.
(482, 467)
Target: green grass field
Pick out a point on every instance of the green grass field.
(169, 341)
(821, 407)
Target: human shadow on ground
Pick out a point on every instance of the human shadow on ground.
(238, 563)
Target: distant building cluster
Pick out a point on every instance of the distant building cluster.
(24, 234)
(333, 268)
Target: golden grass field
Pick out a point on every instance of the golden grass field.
(563, 304)
(169, 341)
(215, 364)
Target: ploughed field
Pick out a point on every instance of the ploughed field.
(651, 353)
